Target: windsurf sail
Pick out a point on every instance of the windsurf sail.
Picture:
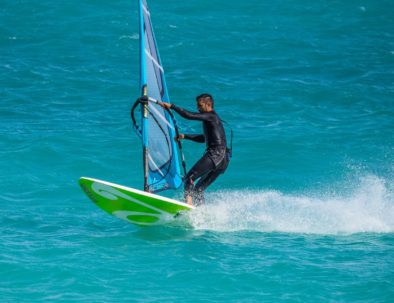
(162, 156)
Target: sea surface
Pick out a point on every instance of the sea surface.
(305, 211)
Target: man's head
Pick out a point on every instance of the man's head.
(204, 103)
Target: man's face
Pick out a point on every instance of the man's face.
(202, 106)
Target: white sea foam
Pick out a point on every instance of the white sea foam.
(134, 36)
(369, 207)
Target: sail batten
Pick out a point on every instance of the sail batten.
(153, 60)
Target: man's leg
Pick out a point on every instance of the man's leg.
(203, 184)
(202, 167)
(207, 180)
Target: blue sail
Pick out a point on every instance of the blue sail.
(162, 165)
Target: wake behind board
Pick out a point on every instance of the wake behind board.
(132, 205)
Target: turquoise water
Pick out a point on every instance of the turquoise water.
(305, 212)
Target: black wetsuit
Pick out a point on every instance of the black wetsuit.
(214, 161)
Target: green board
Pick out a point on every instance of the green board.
(134, 206)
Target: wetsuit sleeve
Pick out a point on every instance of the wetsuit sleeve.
(191, 115)
(195, 138)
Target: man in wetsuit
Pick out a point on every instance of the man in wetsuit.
(215, 159)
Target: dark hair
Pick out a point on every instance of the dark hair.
(206, 98)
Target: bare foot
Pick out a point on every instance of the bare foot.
(189, 200)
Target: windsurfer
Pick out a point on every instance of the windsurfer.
(216, 157)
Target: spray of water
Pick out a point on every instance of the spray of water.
(369, 207)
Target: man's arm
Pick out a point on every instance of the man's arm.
(195, 138)
(186, 114)
(192, 137)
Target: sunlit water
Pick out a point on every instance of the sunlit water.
(305, 212)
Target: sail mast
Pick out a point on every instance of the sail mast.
(144, 92)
